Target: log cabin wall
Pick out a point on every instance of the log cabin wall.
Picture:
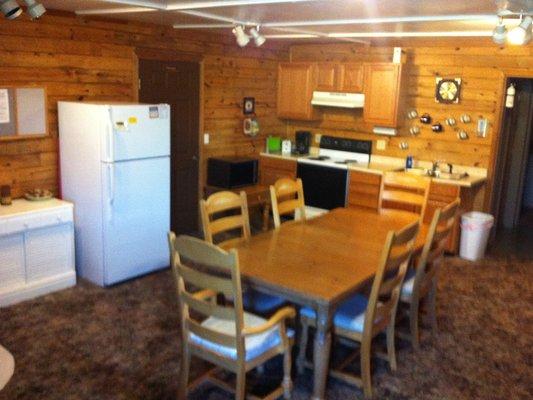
(478, 62)
(89, 59)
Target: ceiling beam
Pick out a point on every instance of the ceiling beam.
(137, 6)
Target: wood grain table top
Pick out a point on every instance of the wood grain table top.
(323, 260)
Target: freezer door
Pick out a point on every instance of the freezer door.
(137, 131)
(136, 204)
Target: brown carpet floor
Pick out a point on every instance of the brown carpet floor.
(123, 343)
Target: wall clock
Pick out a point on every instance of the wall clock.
(447, 90)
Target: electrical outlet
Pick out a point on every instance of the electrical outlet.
(381, 144)
(206, 138)
(318, 136)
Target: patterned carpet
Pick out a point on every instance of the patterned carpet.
(122, 343)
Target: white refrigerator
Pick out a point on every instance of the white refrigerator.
(115, 168)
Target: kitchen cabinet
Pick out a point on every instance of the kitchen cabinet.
(333, 77)
(363, 189)
(383, 92)
(273, 168)
(296, 82)
(36, 249)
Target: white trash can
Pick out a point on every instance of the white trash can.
(475, 230)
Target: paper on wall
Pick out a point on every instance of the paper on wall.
(4, 107)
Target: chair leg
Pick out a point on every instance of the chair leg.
(413, 322)
(366, 373)
(391, 349)
(240, 390)
(300, 362)
(432, 308)
(184, 373)
(287, 382)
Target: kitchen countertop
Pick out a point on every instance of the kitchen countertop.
(469, 181)
(22, 206)
(374, 168)
(293, 157)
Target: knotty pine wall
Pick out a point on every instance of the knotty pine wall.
(479, 63)
(90, 59)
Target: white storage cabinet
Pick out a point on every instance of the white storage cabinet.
(36, 249)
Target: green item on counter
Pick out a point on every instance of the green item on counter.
(274, 144)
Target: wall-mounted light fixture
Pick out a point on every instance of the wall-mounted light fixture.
(11, 9)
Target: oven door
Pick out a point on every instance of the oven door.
(324, 187)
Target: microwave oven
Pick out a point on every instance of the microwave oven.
(231, 172)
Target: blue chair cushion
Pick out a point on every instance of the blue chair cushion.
(349, 316)
(255, 345)
(260, 302)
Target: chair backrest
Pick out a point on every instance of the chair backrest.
(389, 277)
(287, 197)
(215, 219)
(436, 243)
(403, 191)
(205, 266)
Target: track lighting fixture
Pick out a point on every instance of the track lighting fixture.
(521, 34)
(242, 38)
(499, 33)
(258, 38)
(10, 9)
(35, 10)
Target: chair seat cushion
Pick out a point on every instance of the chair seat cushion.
(349, 316)
(407, 288)
(255, 345)
(260, 302)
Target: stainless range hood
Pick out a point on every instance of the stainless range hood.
(334, 99)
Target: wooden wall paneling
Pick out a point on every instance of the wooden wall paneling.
(95, 59)
(479, 63)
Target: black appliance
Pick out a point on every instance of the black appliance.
(231, 172)
(303, 142)
(324, 187)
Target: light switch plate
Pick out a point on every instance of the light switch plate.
(381, 144)
(318, 136)
(206, 138)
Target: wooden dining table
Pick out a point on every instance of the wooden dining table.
(319, 263)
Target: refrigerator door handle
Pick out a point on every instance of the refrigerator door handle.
(109, 138)
(111, 182)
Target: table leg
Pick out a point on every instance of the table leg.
(322, 347)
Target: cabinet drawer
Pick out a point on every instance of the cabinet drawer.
(38, 220)
(364, 189)
(443, 191)
(278, 163)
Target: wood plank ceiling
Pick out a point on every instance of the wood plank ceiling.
(329, 20)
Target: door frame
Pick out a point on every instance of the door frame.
(494, 193)
(176, 56)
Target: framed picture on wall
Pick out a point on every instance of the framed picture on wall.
(248, 105)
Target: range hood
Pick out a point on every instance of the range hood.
(334, 99)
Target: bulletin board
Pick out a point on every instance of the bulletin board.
(23, 112)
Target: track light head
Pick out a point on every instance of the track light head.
(499, 34)
(258, 38)
(10, 9)
(35, 10)
(521, 34)
(242, 38)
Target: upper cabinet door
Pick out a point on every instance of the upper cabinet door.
(328, 77)
(296, 82)
(352, 78)
(382, 93)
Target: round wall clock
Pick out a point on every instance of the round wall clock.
(447, 90)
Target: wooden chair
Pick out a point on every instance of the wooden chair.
(227, 336)
(404, 192)
(423, 282)
(287, 197)
(215, 221)
(360, 319)
(7, 366)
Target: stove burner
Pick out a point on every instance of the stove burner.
(319, 158)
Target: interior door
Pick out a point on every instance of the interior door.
(178, 84)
